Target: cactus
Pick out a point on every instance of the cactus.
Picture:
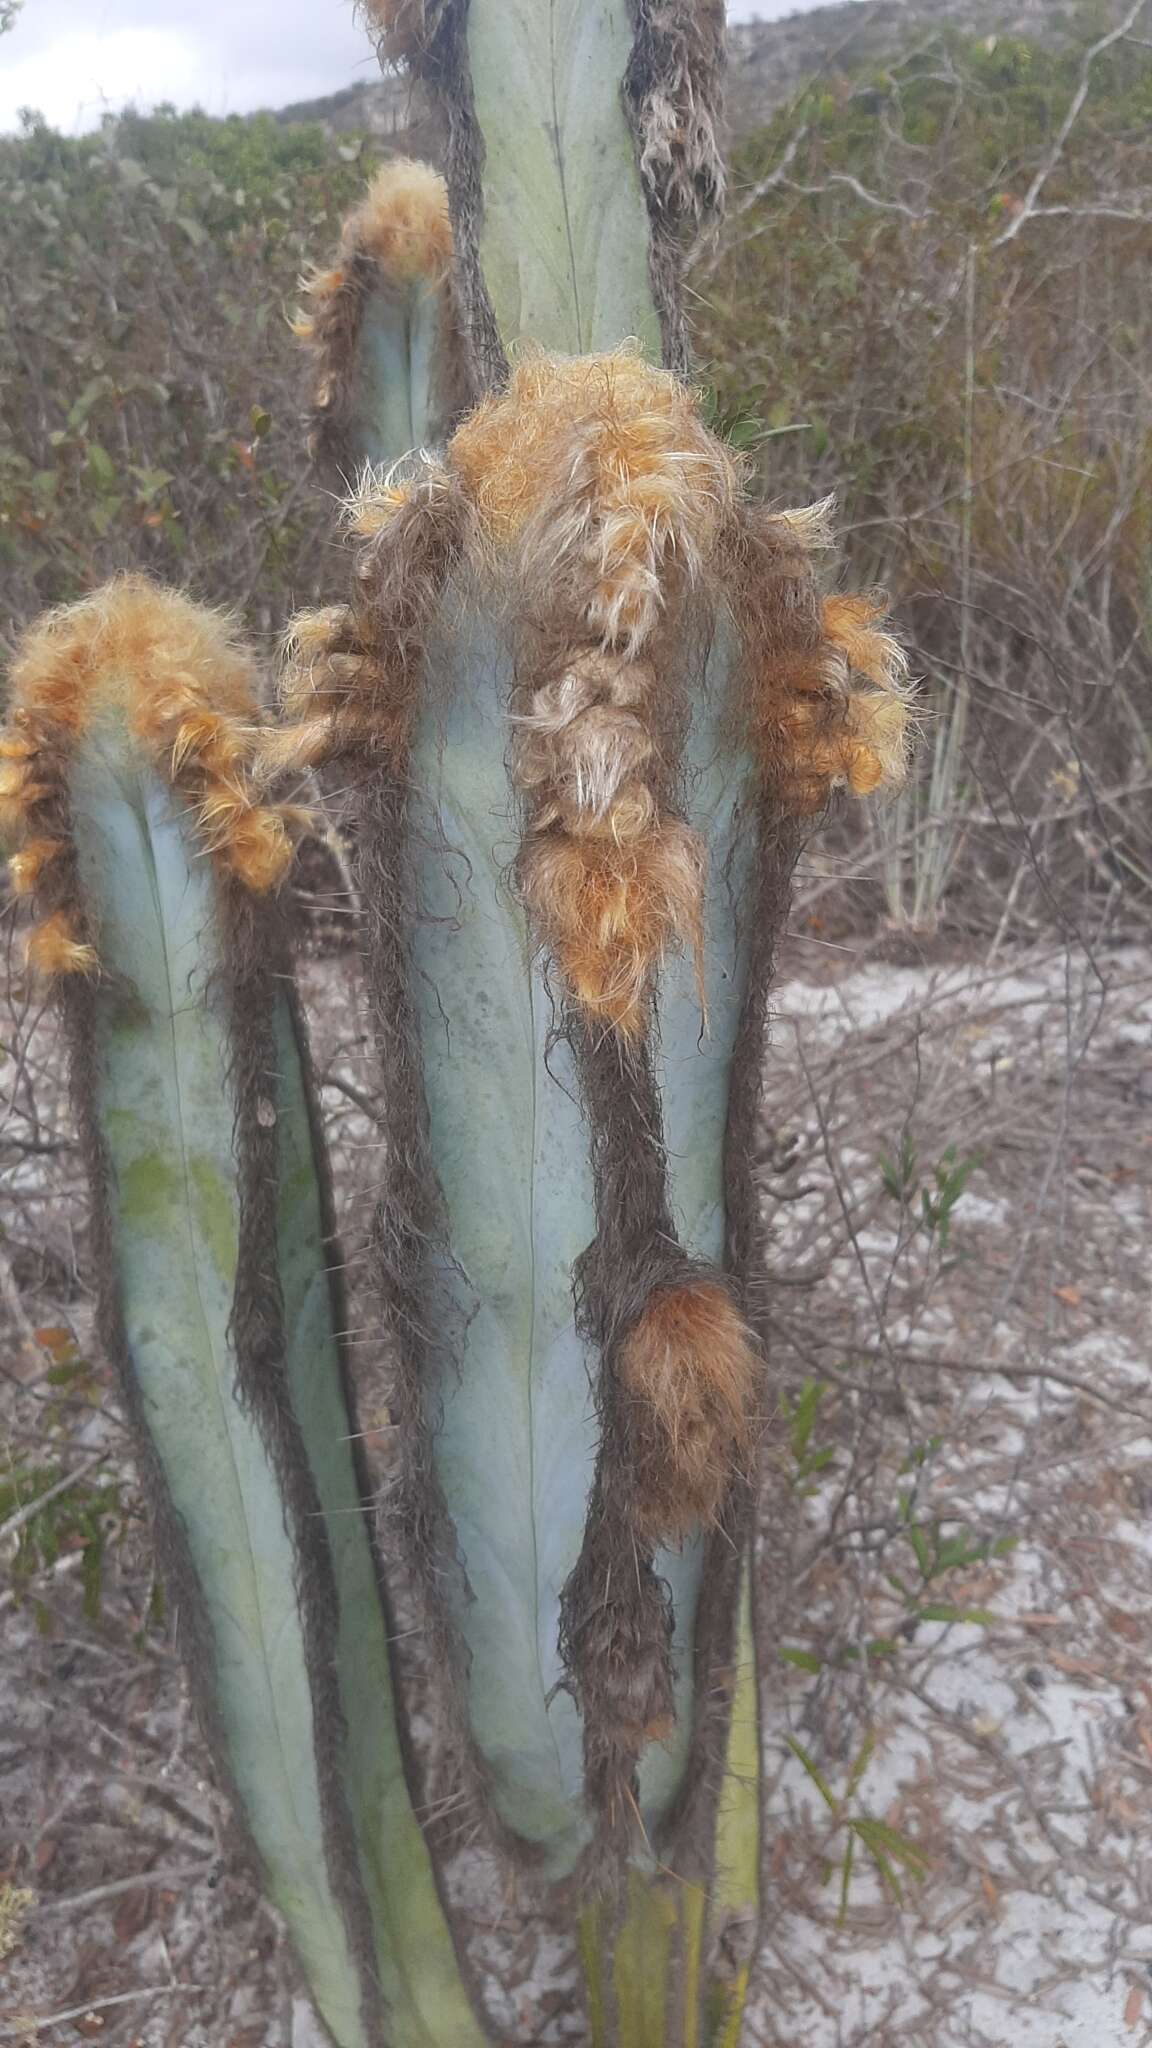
(580, 706)
(580, 538)
(152, 859)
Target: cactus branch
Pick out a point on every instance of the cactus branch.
(217, 1301)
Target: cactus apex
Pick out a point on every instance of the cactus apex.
(175, 674)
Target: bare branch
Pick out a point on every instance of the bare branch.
(1090, 211)
(145, 1880)
(20, 2031)
(1075, 108)
(32, 1508)
(861, 192)
(774, 178)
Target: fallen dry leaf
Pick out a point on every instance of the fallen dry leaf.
(57, 1341)
(1070, 1296)
(1076, 1667)
(133, 1912)
(1133, 2006)
(1132, 1626)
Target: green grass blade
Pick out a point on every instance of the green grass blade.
(590, 1937)
(821, 1784)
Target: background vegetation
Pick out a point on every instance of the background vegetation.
(933, 288)
(150, 391)
(931, 297)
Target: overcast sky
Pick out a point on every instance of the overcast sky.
(75, 59)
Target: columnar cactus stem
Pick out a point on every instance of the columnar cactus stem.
(575, 1070)
(152, 857)
(384, 326)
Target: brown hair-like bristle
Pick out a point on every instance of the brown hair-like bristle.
(402, 28)
(672, 91)
(351, 673)
(673, 100)
(808, 721)
(692, 1375)
(615, 1638)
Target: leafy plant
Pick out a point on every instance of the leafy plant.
(166, 443)
(801, 1412)
(903, 1181)
(891, 1852)
(864, 286)
(57, 1513)
(935, 1555)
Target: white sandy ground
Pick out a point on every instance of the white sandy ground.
(1015, 1754)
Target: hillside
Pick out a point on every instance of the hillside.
(768, 60)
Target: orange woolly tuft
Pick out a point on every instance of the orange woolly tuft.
(857, 743)
(602, 472)
(402, 228)
(311, 679)
(811, 724)
(851, 624)
(880, 723)
(691, 1368)
(20, 793)
(187, 690)
(320, 286)
(133, 644)
(599, 498)
(586, 765)
(402, 222)
(54, 949)
(260, 849)
(374, 506)
(27, 866)
(609, 908)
